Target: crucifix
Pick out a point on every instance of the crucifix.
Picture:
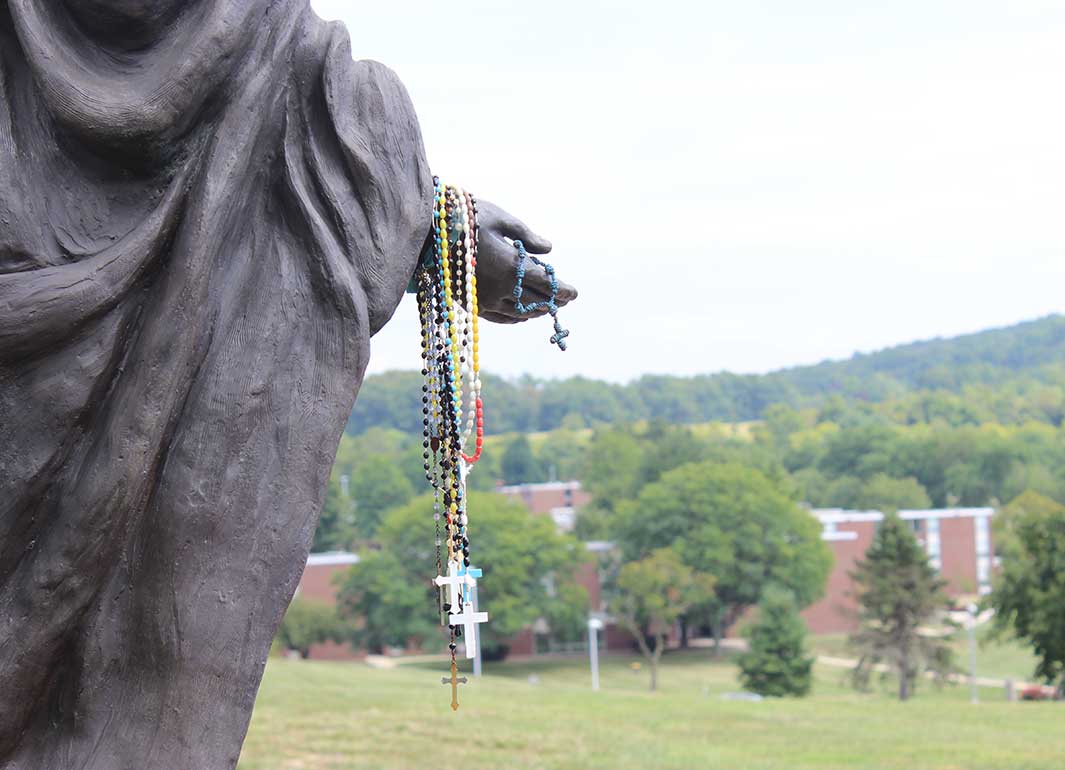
(473, 572)
(469, 620)
(455, 578)
(454, 680)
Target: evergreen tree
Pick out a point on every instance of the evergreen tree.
(899, 595)
(776, 663)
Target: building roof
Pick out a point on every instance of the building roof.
(332, 558)
(842, 515)
(546, 486)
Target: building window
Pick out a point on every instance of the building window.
(565, 518)
(983, 553)
(933, 545)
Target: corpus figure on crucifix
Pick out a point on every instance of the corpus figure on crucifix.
(207, 208)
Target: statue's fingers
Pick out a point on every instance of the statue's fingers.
(509, 225)
(516, 230)
(566, 294)
(533, 243)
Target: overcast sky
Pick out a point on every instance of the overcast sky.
(745, 186)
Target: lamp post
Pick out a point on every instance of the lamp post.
(974, 695)
(476, 636)
(595, 625)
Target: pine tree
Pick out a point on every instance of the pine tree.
(899, 595)
(776, 663)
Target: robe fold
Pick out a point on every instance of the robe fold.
(206, 210)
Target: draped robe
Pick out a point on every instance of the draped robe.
(206, 210)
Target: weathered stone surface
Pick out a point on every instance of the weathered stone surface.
(206, 210)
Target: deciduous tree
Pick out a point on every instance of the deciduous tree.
(1029, 591)
(309, 622)
(651, 595)
(731, 522)
(528, 571)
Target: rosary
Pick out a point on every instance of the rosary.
(446, 289)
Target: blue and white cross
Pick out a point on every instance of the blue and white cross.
(473, 573)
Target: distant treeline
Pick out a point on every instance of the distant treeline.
(1009, 376)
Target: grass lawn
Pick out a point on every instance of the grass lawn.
(342, 716)
(998, 659)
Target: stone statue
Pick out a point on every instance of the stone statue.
(207, 208)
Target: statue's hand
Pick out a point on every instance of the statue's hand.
(497, 264)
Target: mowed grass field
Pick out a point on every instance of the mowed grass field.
(343, 716)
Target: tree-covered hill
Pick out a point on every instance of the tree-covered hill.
(1008, 375)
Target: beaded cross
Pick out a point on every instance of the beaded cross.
(559, 337)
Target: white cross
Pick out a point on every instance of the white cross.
(469, 620)
(453, 581)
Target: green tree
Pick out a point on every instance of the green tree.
(308, 622)
(612, 467)
(561, 454)
(845, 492)
(336, 525)
(386, 605)
(528, 570)
(884, 493)
(666, 447)
(518, 463)
(377, 485)
(899, 596)
(779, 422)
(1029, 591)
(650, 597)
(731, 522)
(776, 662)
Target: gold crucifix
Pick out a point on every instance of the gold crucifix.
(454, 680)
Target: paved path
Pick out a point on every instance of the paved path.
(982, 681)
(393, 661)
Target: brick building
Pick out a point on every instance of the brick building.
(558, 499)
(957, 540)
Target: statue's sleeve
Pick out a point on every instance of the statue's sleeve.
(356, 166)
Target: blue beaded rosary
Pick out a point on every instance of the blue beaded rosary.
(559, 337)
